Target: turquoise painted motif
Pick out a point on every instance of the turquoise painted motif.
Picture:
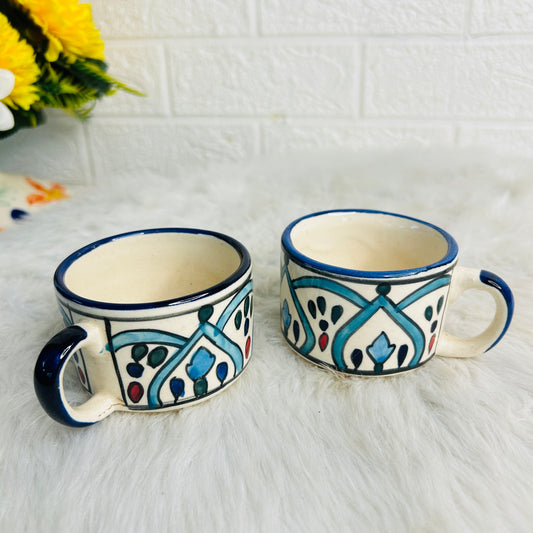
(333, 324)
(163, 368)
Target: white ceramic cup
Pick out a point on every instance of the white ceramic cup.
(366, 292)
(156, 319)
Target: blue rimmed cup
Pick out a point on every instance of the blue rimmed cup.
(155, 319)
(366, 292)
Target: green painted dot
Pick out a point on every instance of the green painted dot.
(383, 289)
(205, 312)
(428, 313)
(321, 302)
(312, 308)
(157, 356)
(336, 313)
(246, 305)
(238, 319)
(439, 304)
(200, 387)
(138, 351)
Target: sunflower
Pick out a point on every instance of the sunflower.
(69, 28)
(17, 56)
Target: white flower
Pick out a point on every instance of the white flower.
(7, 82)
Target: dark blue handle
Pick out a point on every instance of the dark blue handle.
(49, 373)
(492, 280)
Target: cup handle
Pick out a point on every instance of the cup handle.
(471, 278)
(48, 379)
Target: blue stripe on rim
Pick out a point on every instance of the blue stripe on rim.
(304, 260)
(59, 276)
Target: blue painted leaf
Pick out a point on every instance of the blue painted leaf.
(135, 370)
(177, 387)
(402, 354)
(222, 371)
(201, 363)
(286, 316)
(357, 358)
(381, 349)
(312, 308)
(296, 330)
(321, 302)
(336, 313)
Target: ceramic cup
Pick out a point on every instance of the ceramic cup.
(365, 292)
(156, 319)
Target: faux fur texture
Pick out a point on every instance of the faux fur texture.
(289, 447)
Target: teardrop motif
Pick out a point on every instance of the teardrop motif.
(357, 358)
(222, 371)
(177, 388)
(135, 391)
(157, 356)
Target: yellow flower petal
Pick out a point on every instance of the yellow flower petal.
(17, 56)
(69, 28)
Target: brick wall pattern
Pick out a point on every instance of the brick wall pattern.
(230, 79)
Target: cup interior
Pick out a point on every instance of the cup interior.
(369, 241)
(151, 266)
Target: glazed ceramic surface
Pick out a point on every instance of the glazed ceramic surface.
(366, 292)
(156, 319)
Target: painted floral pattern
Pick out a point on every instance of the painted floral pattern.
(361, 328)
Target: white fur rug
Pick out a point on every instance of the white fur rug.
(289, 447)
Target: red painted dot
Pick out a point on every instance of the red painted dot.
(82, 375)
(247, 347)
(135, 391)
(431, 342)
(323, 341)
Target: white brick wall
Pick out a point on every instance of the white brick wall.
(256, 79)
(449, 80)
(357, 17)
(229, 79)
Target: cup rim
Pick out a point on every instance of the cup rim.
(306, 261)
(63, 290)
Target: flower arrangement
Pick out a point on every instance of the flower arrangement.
(51, 55)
